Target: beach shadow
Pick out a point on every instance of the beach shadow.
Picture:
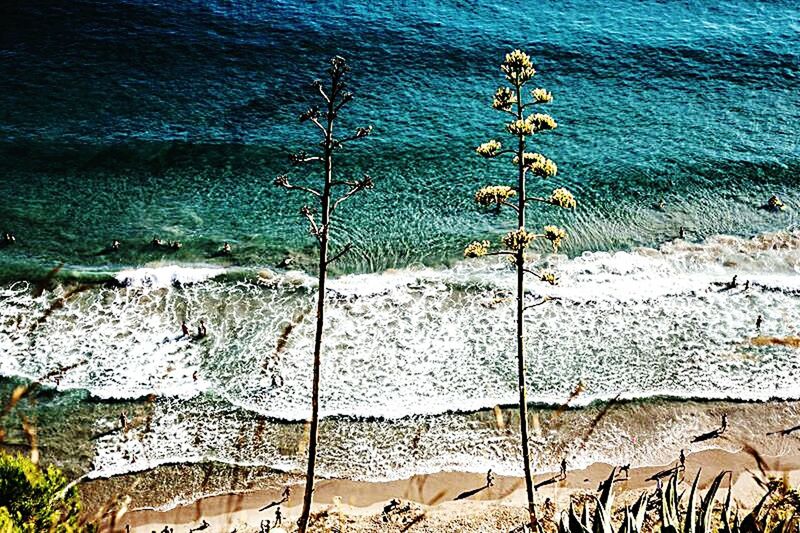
(274, 504)
(708, 436)
(664, 473)
(786, 431)
(469, 493)
(550, 481)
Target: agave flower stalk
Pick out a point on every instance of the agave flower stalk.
(327, 198)
(512, 101)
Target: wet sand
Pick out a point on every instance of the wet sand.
(429, 501)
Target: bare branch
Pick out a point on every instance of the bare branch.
(347, 248)
(320, 126)
(509, 204)
(346, 97)
(302, 157)
(501, 252)
(314, 230)
(317, 84)
(359, 134)
(537, 199)
(359, 186)
(283, 181)
(544, 300)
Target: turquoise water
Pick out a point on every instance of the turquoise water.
(125, 120)
(129, 120)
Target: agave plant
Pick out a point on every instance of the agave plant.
(695, 519)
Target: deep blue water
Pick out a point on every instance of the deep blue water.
(132, 119)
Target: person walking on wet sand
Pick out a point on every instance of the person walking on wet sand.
(286, 493)
(759, 320)
(564, 468)
(489, 478)
(682, 460)
(626, 469)
(724, 423)
(278, 517)
(265, 527)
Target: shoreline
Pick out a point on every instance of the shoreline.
(434, 496)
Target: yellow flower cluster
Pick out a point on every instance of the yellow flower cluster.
(541, 96)
(489, 148)
(519, 127)
(504, 98)
(477, 249)
(548, 277)
(555, 235)
(518, 240)
(518, 67)
(541, 122)
(538, 164)
(494, 194)
(563, 198)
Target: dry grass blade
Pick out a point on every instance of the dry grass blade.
(579, 388)
(33, 441)
(790, 342)
(599, 418)
(16, 395)
(44, 282)
(762, 464)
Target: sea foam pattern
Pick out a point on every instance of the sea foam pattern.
(426, 341)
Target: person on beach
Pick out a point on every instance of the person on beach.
(759, 320)
(286, 493)
(682, 232)
(185, 329)
(724, 423)
(123, 420)
(194, 375)
(682, 460)
(278, 517)
(489, 479)
(564, 468)
(264, 527)
(746, 286)
(201, 330)
(732, 283)
(627, 469)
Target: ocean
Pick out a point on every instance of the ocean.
(129, 120)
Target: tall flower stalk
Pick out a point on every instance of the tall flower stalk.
(327, 198)
(522, 125)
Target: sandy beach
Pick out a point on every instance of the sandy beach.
(431, 502)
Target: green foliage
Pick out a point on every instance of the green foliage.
(33, 499)
(781, 515)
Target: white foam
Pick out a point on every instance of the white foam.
(425, 341)
(167, 275)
